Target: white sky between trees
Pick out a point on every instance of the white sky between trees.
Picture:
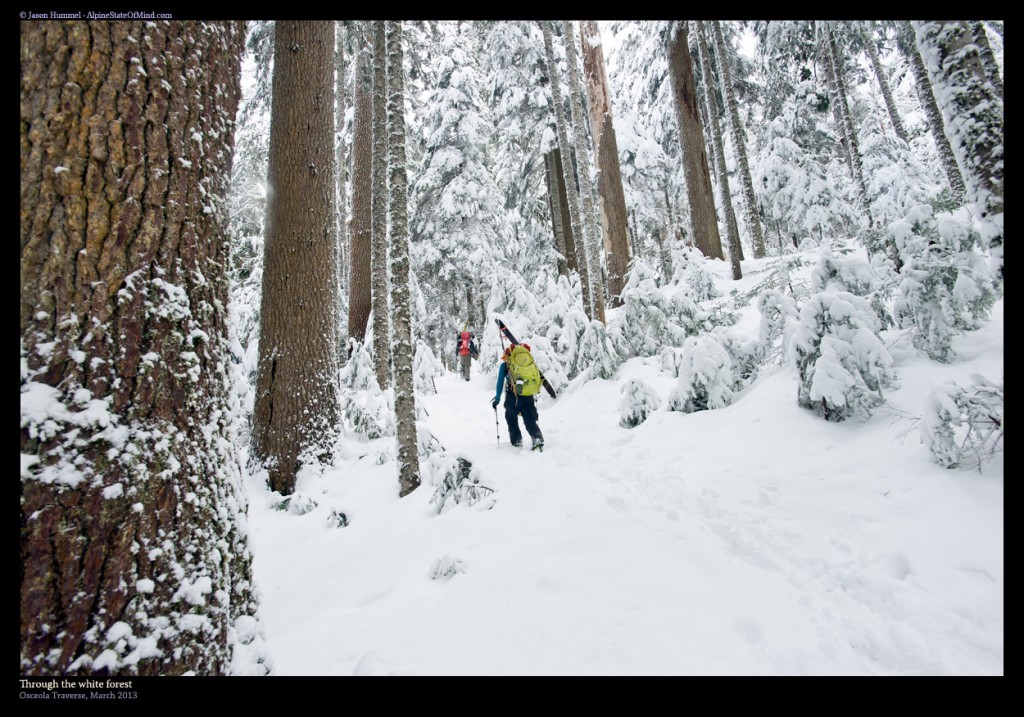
(756, 539)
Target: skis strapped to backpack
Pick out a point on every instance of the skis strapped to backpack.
(506, 334)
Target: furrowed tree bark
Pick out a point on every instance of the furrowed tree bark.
(296, 407)
(611, 198)
(703, 218)
(134, 554)
(405, 397)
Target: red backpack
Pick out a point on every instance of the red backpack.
(464, 344)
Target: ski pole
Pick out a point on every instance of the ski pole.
(497, 433)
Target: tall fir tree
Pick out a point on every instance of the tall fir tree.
(405, 397)
(703, 218)
(379, 208)
(296, 408)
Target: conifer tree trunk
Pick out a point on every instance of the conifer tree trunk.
(582, 260)
(296, 408)
(908, 45)
(732, 232)
(611, 198)
(848, 128)
(988, 60)
(359, 292)
(739, 143)
(703, 218)
(589, 236)
(341, 196)
(867, 33)
(405, 397)
(558, 205)
(134, 553)
(974, 121)
(379, 228)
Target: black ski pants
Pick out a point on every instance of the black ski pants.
(526, 407)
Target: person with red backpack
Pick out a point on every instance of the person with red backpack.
(465, 351)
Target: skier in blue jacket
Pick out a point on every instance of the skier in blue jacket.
(516, 406)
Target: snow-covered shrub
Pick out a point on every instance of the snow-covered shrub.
(842, 364)
(853, 274)
(962, 425)
(896, 180)
(670, 359)
(365, 410)
(425, 368)
(597, 352)
(744, 355)
(638, 401)
(946, 285)
(842, 273)
(690, 271)
(778, 320)
(454, 480)
(706, 378)
(654, 317)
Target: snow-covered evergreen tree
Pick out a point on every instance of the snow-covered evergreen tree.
(842, 364)
(706, 377)
(365, 409)
(457, 204)
(945, 286)
(964, 426)
(425, 369)
(639, 400)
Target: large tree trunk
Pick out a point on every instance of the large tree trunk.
(379, 245)
(974, 121)
(359, 294)
(611, 199)
(134, 555)
(405, 398)
(867, 34)
(937, 126)
(558, 205)
(582, 260)
(296, 405)
(848, 128)
(703, 218)
(588, 235)
(739, 142)
(732, 232)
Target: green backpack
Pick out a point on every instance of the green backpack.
(523, 371)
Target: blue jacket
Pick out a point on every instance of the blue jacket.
(502, 371)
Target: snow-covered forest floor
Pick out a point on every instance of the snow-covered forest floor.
(754, 539)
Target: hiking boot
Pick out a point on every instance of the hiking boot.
(517, 444)
(538, 446)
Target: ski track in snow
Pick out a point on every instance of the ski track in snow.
(848, 592)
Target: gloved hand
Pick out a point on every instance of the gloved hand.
(494, 403)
